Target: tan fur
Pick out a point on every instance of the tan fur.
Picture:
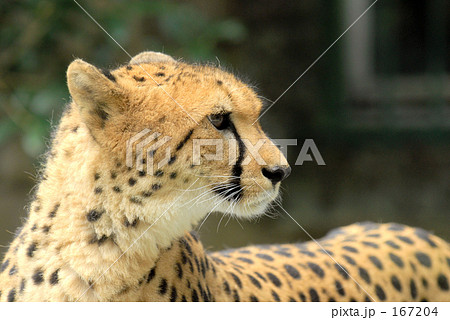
(101, 231)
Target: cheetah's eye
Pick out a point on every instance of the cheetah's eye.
(220, 121)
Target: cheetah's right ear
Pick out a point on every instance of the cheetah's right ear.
(95, 93)
(151, 57)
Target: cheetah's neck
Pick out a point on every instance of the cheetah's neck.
(83, 216)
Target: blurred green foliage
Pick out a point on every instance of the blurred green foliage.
(39, 38)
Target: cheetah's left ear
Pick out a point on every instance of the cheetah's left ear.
(151, 57)
(95, 93)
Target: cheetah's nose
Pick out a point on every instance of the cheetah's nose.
(276, 173)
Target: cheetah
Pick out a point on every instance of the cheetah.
(99, 229)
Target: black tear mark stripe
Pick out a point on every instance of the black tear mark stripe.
(234, 191)
(237, 168)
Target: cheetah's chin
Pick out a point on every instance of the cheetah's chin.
(249, 208)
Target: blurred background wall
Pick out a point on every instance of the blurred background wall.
(377, 104)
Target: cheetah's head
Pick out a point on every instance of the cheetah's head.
(216, 149)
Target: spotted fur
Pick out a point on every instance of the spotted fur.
(99, 230)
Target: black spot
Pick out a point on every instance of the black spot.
(52, 214)
(314, 295)
(226, 287)
(327, 252)
(293, 272)
(139, 79)
(396, 259)
(253, 298)
(31, 249)
(13, 270)
(160, 74)
(374, 235)
(424, 259)
(186, 245)
(349, 259)
(274, 279)
(173, 175)
(370, 244)
(392, 244)
(236, 279)
(254, 281)
(264, 256)
(342, 271)
(159, 173)
(163, 286)
(183, 257)
(129, 67)
(179, 270)
(339, 288)
(130, 224)
(34, 227)
(185, 139)
(108, 74)
(405, 239)
(116, 189)
(302, 296)
(156, 186)
(413, 288)
(173, 294)
(380, 293)
(94, 215)
(283, 253)
(12, 295)
(425, 282)
(141, 173)
(98, 190)
(396, 283)
(147, 194)
(113, 174)
(236, 296)
(308, 253)
(364, 275)
(38, 277)
(245, 260)
(96, 176)
(22, 285)
(151, 274)
(45, 229)
(396, 227)
(442, 282)
(219, 82)
(54, 279)
(194, 295)
(172, 160)
(136, 200)
(260, 276)
(316, 269)
(376, 262)
(131, 181)
(4, 265)
(275, 296)
(350, 249)
(425, 235)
